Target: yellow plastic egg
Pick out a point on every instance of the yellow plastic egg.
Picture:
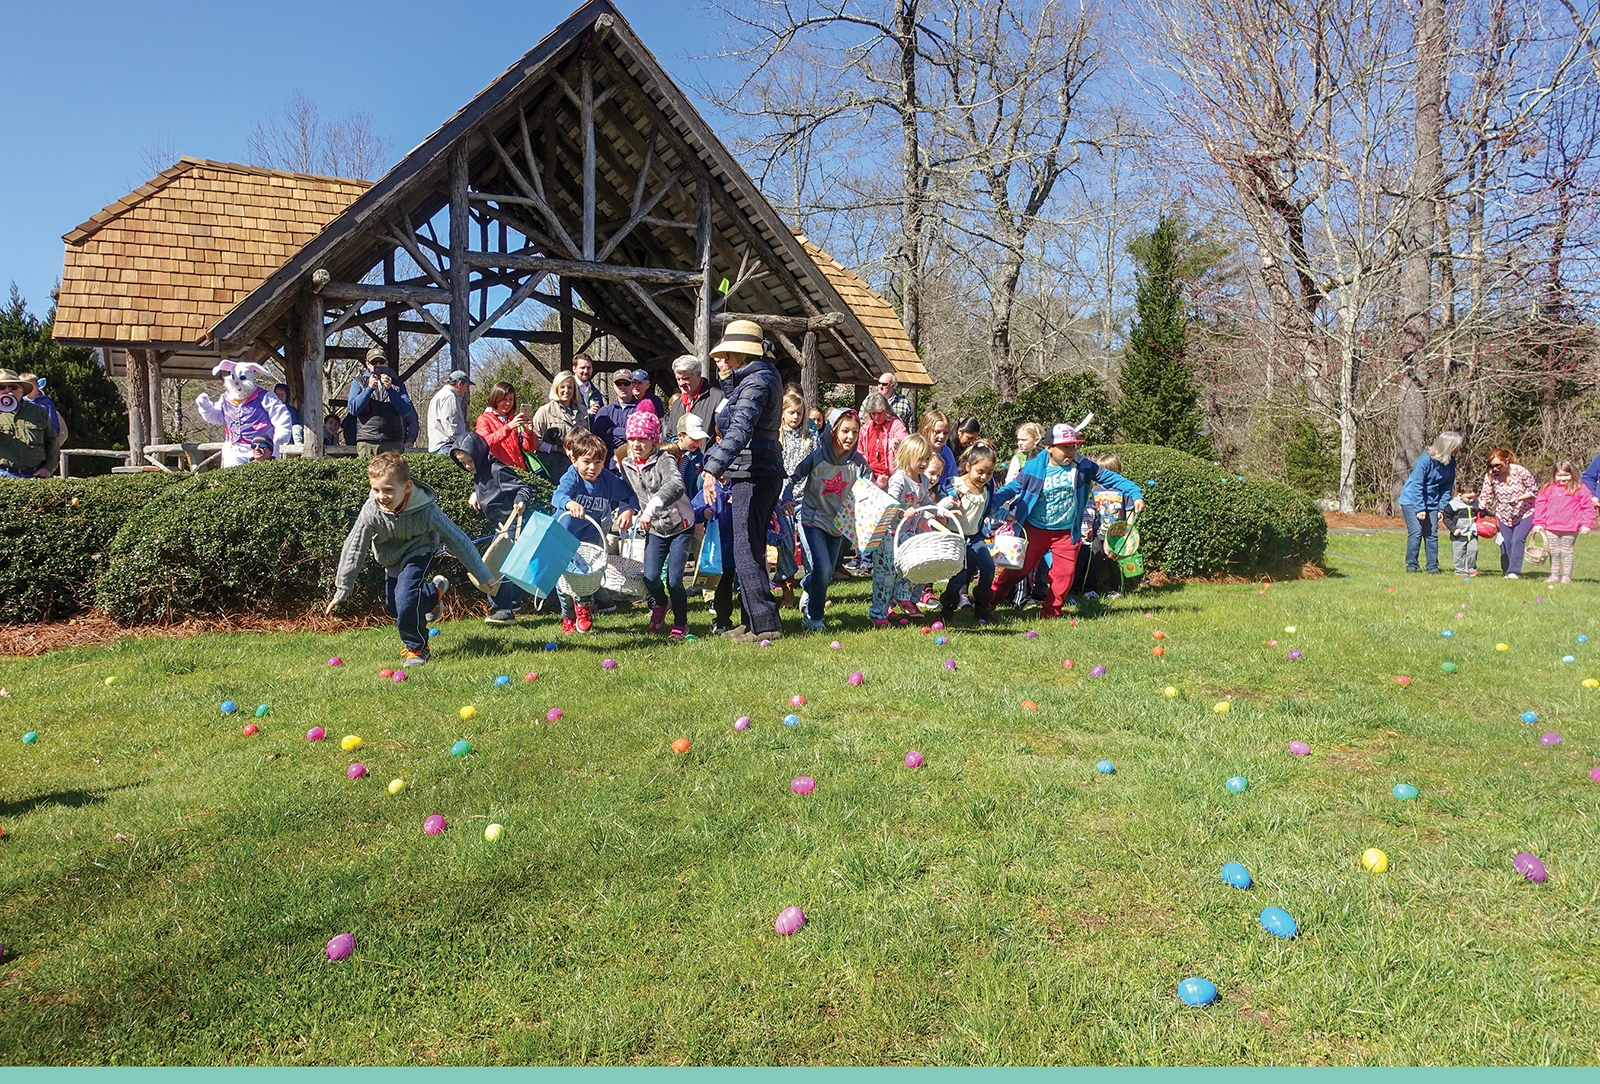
(350, 743)
(396, 786)
(1502, 647)
(469, 712)
(109, 680)
(1591, 683)
(1170, 691)
(492, 832)
(1221, 707)
(1375, 860)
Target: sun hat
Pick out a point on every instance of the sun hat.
(692, 427)
(1062, 433)
(643, 423)
(742, 337)
(9, 376)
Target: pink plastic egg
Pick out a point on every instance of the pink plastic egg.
(835, 645)
(1402, 680)
(742, 723)
(340, 947)
(1030, 635)
(1067, 664)
(913, 759)
(949, 664)
(1594, 774)
(399, 676)
(356, 770)
(789, 920)
(938, 626)
(552, 715)
(531, 676)
(1299, 748)
(797, 701)
(336, 661)
(1074, 620)
(1098, 671)
(857, 678)
(316, 733)
(433, 825)
(803, 784)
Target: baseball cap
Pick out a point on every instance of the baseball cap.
(622, 376)
(375, 354)
(456, 375)
(692, 427)
(640, 376)
(1062, 433)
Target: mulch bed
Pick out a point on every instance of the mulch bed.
(1362, 519)
(95, 629)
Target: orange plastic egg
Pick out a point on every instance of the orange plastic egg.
(1158, 651)
(682, 745)
(1158, 635)
(1029, 705)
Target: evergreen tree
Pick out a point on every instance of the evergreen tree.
(1159, 405)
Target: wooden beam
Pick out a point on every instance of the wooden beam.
(294, 375)
(460, 240)
(312, 347)
(810, 385)
(581, 269)
(668, 322)
(392, 311)
(366, 291)
(427, 356)
(702, 308)
(551, 301)
(639, 215)
(792, 325)
(533, 359)
(157, 428)
(586, 123)
(136, 390)
(518, 296)
(566, 313)
(407, 239)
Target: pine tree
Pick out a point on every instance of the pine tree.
(89, 401)
(1159, 405)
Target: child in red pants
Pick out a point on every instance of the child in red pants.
(1049, 494)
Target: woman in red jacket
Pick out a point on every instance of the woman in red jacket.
(505, 429)
(881, 434)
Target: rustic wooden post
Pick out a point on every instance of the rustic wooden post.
(136, 390)
(702, 235)
(391, 345)
(586, 108)
(566, 325)
(312, 349)
(157, 431)
(294, 372)
(810, 389)
(460, 299)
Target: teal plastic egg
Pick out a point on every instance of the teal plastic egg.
(1236, 875)
(1278, 922)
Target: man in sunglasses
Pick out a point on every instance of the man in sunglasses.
(28, 442)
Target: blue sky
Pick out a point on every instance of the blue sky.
(89, 86)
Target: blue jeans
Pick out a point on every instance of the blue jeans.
(508, 596)
(980, 564)
(674, 551)
(1511, 549)
(753, 502)
(408, 596)
(1418, 531)
(786, 562)
(821, 551)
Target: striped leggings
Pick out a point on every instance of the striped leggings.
(1561, 545)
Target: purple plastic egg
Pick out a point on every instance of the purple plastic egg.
(1529, 866)
(1294, 654)
(1098, 671)
(336, 661)
(857, 678)
(399, 676)
(340, 947)
(316, 733)
(949, 664)
(1594, 774)
(433, 825)
(1551, 738)
(609, 664)
(1299, 748)
(1031, 635)
(356, 770)
(803, 784)
(913, 759)
(742, 723)
(789, 920)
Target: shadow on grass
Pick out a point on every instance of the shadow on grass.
(67, 799)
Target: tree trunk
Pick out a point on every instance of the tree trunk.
(136, 390)
(910, 256)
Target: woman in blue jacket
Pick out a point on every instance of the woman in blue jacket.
(1425, 496)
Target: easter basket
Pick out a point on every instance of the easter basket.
(1009, 549)
(872, 512)
(587, 567)
(1536, 551)
(625, 575)
(934, 555)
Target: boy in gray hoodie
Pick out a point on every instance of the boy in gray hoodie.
(403, 524)
(824, 479)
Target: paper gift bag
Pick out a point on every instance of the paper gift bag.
(710, 563)
(874, 513)
(541, 554)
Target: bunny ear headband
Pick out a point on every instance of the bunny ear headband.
(241, 368)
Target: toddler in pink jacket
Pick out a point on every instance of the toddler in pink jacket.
(1565, 509)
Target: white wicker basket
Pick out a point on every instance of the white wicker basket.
(588, 566)
(625, 574)
(934, 555)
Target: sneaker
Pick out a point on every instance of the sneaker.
(1091, 594)
(906, 606)
(734, 632)
(880, 622)
(658, 618)
(568, 625)
(409, 658)
(1112, 596)
(442, 585)
(607, 609)
(748, 637)
(501, 617)
(1552, 578)
(1472, 572)
(927, 597)
(1512, 576)
(585, 620)
(813, 625)
(678, 633)
(1566, 579)
(720, 628)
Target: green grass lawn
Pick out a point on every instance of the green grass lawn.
(167, 884)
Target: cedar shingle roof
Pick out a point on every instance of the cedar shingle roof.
(875, 314)
(163, 263)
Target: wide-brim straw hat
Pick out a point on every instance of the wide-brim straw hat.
(742, 337)
(9, 376)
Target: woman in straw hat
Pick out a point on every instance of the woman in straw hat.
(750, 459)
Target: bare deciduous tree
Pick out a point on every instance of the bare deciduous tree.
(300, 141)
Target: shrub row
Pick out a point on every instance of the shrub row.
(1200, 520)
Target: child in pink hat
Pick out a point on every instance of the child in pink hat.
(664, 513)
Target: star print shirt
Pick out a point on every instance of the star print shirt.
(824, 481)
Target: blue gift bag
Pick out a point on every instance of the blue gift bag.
(710, 563)
(541, 555)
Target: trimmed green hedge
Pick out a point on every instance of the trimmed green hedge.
(1200, 520)
(52, 550)
(262, 538)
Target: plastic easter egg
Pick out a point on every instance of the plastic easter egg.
(742, 723)
(791, 720)
(1278, 922)
(608, 664)
(1158, 635)
(229, 707)
(1237, 784)
(1288, 628)
(386, 673)
(316, 733)
(1236, 875)
(461, 748)
(1067, 664)
(340, 947)
(1447, 634)
(797, 701)
(857, 678)
(251, 728)
(1530, 717)
(399, 676)
(1294, 654)
(350, 743)
(802, 784)
(937, 625)
(1594, 774)
(1197, 991)
(1583, 639)
(941, 639)
(468, 712)
(926, 629)
(493, 832)
(30, 737)
(503, 679)
(531, 676)
(552, 715)
(1551, 738)
(682, 745)
(949, 664)
(1070, 621)
(336, 661)
(1448, 667)
(356, 770)
(1221, 707)
(1374, 860)
(262, 711)
(1591, 683)
(434, 824)
(1029, 705)
(1158, 651)
(768, 643)
(1299, 748)
(1568, 658)
(396, 786)
(1105, 767)
(913, 759)
(835, 645)
(551, 646)
(1030, 635)
(432, 633)
(1170, 691)
(1098, 671)
(1402, 680)
(1502, 647)
(1404, 791)
(1529, 866)
(790, 919)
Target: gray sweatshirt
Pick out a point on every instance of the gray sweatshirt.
(824, 480)
(659, 486)
(396, 537)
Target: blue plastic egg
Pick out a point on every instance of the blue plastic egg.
(1583, 639)
(1197, 991)
(1236, 875)
(461, 748)
(229, 707)
(503, 679)
(551, 646)
(1568, 658)
(1237, 784)
(1105, 767)
(1404, 791)
(1278, 922)
(1447, 633)
(432, 633)
(791, 720)
(1530, 717)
